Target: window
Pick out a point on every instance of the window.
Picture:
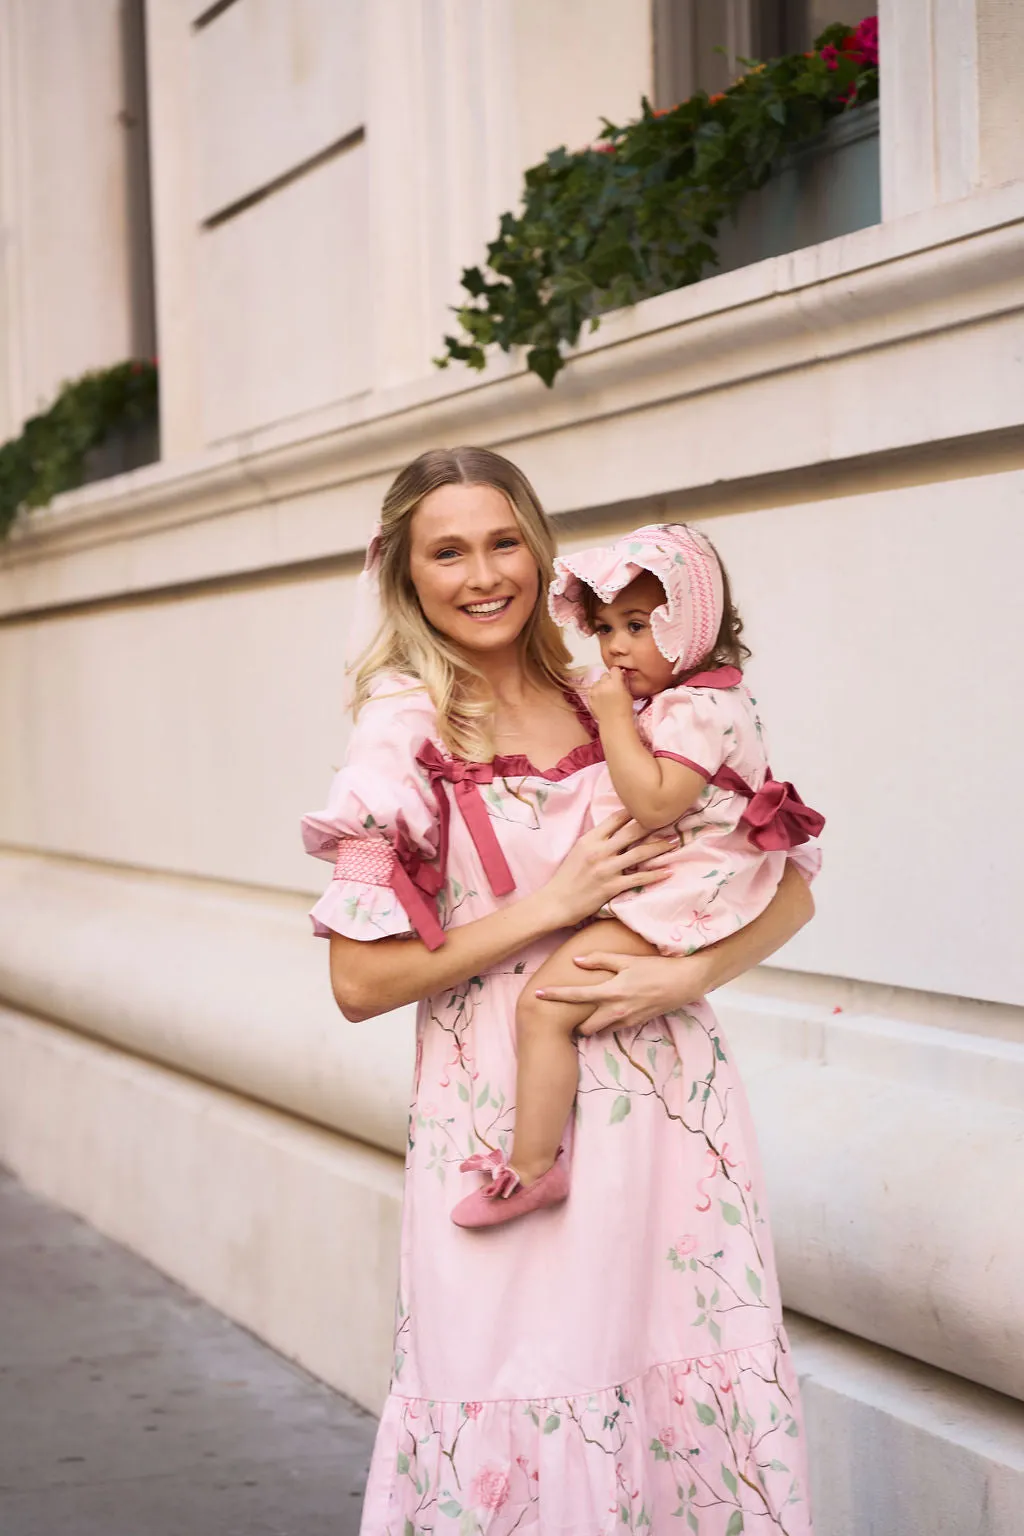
(698, 44)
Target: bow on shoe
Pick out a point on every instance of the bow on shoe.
(504, 1179)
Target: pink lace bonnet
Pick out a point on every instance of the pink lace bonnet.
(686, 626)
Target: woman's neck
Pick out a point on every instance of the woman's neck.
(507, 678)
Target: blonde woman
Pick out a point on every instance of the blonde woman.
(617, 1360)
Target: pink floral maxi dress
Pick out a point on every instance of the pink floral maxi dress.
(617, 1362)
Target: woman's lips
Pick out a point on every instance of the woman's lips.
(484, 612)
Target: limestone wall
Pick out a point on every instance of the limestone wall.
(845, 421)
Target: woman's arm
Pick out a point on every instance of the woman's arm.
(370, 977)
(645, 988)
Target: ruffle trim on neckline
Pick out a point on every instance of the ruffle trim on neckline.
(718, 1436)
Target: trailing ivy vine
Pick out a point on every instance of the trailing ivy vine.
(50, 455)
(636, 214)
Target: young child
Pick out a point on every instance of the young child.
(683, 747)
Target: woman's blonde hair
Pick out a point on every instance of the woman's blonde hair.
(407, 643)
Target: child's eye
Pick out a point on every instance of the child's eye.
(636, 626)
(602, 629)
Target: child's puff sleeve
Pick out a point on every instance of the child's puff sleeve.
(380, 827)
(691, 726)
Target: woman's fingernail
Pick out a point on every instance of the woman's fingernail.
(540, 992)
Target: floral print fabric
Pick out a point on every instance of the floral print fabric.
(615, 1363)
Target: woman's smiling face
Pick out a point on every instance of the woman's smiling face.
(474, 575)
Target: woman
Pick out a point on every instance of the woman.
(616, 1361)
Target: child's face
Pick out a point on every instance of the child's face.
(623, 629)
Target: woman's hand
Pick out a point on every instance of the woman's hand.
(640, 988)
(645, 988)
(602, 865)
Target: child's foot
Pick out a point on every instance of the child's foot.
(506, 1197)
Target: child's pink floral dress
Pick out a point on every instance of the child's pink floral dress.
(617, 1362)
(734, 841)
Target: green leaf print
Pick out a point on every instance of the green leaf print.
(729, 1479)
(691, 1520)
(620, 1109)
(718, 1048)
(715, 1331)
(449, 1507)
(408, 1529)
(612, 1065)
(793, 1429)
(463, 1093)
(660, 1453)
(693, 1094)
(368, 822)
(754, 1281)
(483, 1096)
(401, 1464)
(551, 1423)
(731, 1214)
(777, 1466)
(706, 1413)
(735, 1525)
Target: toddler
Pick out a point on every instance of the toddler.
(684, 748)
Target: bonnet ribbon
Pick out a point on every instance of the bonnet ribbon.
(775, 817)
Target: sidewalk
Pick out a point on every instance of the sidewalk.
(129, 1408)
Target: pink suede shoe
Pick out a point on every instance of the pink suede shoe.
(505, 1197)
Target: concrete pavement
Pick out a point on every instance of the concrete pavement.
(129, 1408)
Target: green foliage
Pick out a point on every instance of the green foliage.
(636, 214)
(50, 455)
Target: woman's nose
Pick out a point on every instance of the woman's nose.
(483, 573)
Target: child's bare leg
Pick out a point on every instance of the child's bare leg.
(548, 1069)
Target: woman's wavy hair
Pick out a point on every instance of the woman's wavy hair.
(408, 644)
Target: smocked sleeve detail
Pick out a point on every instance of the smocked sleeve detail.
(380, 826)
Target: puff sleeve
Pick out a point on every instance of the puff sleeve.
(380, 827)
(693, 726)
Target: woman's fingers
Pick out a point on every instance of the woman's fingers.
(601, 961)
(644, 853)
(632, 878)
(613, 825)
(605, 1017)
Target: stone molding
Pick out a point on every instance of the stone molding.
(891, 1147)
(786, 340)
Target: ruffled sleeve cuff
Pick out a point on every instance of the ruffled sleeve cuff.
(359, 911)
(807, 858)
(372, 896)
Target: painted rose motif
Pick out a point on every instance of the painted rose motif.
(489, 1489)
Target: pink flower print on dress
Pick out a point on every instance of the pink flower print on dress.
(668, 1437)
(686, 1244)
(472, 1410)
(489, 1489)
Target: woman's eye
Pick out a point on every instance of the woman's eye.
(445, 554)
(508, 543)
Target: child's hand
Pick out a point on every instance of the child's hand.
(609, 697)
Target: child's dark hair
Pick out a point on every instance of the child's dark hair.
(728, 650)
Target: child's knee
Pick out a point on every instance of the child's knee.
(538, 1019)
